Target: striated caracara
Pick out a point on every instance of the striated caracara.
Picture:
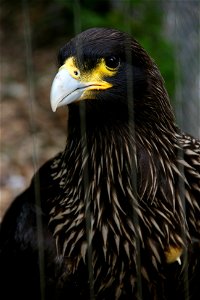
(116, 215)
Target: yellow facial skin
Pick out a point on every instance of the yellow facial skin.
(73, 84)
(93, 78)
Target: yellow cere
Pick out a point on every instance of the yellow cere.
(70, 66)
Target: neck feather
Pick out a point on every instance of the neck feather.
(117, 187)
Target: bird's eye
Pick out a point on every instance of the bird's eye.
(112, 62)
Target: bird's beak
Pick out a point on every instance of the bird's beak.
(70, 85)
(65, 89)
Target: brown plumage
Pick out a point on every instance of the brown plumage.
(121, 205)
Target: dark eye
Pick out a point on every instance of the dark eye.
(112, 62)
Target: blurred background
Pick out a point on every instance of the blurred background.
(31, 34)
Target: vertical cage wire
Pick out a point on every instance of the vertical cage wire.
(88, 216)
(187, 24)
(32, 120)
(182, 28)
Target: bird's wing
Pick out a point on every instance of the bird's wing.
(25, 240)
(190, 162)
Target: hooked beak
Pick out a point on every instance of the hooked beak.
(65, 89)
(71, 85)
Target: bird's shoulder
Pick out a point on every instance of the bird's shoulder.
(21, 216)
(190, 144)
(190, 153)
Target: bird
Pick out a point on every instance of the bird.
(116, 214)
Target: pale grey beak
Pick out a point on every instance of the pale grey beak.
(65, 89)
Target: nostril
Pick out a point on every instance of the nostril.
(76, 73)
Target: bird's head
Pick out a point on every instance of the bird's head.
(108, 70)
